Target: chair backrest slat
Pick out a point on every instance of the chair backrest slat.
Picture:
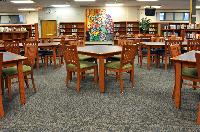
(128, 54)
(168, 43)
(175, 50)
(70, 54)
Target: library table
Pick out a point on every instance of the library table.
(150, 45)
(101, 52)
(11, 59)
(187, 59)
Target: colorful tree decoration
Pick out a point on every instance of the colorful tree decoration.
(99, 24)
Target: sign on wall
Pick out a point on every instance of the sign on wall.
(99, 25)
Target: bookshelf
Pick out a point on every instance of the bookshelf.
(154, 28)
(72, 28)
(132, 27)
(120, 28)
(11, 32)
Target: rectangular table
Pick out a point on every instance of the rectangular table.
(101, 52)
(10, 59)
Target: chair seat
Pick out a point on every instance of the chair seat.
(84, 57)
(116, 65)
(13, 70)
(190, 72)
(83, 65)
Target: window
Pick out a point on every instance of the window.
(173, 16)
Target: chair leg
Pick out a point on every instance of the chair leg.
(132, 77)
(8, 81)
(2, 86)
(45, 62)
(141, 60)
(121, 83)
(78, 81)
(117, 76)
(158, 61)
(33, 82)
(26, 81)
(198, 115)
(194, 85)
(165, 62)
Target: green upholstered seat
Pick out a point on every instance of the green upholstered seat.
(13, 70)
(116, 65)
(190, 72)
(84, 57)
(83, 64)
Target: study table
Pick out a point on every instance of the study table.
(101, 52)
(11, 59)
(186, 59)
(150, 45)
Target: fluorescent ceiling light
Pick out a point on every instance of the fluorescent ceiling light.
(197, 7)
(84, 0)
(146, 0)
(22, 1)
(157, 7)
(26, 9)
(115, 4)
(60, 5)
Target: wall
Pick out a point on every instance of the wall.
(31, 17)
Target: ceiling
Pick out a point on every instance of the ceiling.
(166, 4)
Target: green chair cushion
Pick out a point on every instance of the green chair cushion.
(83, 64)
(84, 57)
(116, 65)
(13, 70)
(190, 72)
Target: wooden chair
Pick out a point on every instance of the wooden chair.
(193, 44)
(1, 88)
(11, 72)
(73, 64)
(168, 43)
(12, 47)
(126, 64)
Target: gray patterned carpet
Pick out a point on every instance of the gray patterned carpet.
(146, 107)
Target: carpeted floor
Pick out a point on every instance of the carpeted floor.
(146, 107)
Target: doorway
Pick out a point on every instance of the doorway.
(48, 28)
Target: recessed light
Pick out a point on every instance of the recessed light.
(22, 1)
(84, 0)
(60, 5)
(146, 0)
(115, 4)
(27, 9)
(197, 7)
(157, 7)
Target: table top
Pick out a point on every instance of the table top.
(187, 57)
(100, 49)
(9, 57)
(158, 43)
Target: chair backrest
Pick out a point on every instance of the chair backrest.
(12, 47)
(121, 41)
(168, 43)
(31, 52)
(174, 37)
(175, 50)
(1, 42)
(193, 44)
(128, 54)
(70, 54)
(157, 39)
(132, 41)
(44, 40)
(197, 56)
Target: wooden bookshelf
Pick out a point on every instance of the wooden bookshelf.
(154, 28)
(132, 27)
(120, 28)
(72, 28)
(192, 33)
(19, 32)
(168, 29)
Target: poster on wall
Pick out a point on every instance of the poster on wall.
(99, 25)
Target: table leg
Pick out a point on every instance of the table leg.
(54, 56)
(177, 93)
(1, 105)
(148, 57)
(101, 75)
(21, 82)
